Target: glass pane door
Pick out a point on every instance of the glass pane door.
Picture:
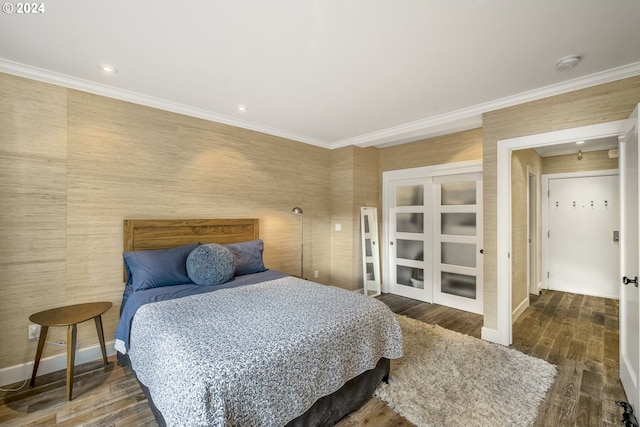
(458, 241)
(410, 263)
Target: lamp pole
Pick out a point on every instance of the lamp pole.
(301, 248)
(298, 211)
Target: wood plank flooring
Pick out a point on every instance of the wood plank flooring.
(577, 333)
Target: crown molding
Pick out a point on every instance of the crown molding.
(47, 76)
(455, 121)
(471, 117)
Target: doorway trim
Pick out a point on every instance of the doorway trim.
(503, 333)
(533, 231)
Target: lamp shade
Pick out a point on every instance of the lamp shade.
(297, 210)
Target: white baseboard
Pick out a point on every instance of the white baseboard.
(492, 335)
(16, 373)
(519, 310)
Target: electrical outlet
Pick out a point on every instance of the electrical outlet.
(316, 274)
(34, 332)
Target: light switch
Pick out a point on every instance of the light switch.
(338, 227)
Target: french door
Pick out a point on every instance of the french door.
(433, 235)
(409, 236)
(457, 241)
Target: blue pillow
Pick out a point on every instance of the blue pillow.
(153, 269)
(211, 264)
(248, 256)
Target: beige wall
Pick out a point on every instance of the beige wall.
(598, 104)
(591, 161)
(523, 161)
(457, 147)
(74, 165)
(342, 196)
(354, 183)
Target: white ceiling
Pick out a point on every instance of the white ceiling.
(595, 144)
(330, 73)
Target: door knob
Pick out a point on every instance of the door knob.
(626, 280)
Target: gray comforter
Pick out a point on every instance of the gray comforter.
(257, 355)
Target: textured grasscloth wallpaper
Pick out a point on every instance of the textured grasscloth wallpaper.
(74, 165)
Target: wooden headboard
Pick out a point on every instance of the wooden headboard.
(147, 234)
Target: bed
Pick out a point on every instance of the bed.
(260, 349)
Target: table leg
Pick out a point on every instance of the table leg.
(41, 341)
(98, 320)
(71, 358)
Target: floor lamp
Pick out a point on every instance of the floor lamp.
(298, 211)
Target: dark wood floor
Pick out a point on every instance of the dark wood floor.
(577, 333)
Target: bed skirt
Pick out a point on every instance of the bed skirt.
(327, 410)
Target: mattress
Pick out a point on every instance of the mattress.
(256, 354)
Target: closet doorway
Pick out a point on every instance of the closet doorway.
(432, 219)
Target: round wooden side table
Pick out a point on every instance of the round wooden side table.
(69, 316)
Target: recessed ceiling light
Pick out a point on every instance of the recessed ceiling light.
(242, 108)
(568, 62)
(108, 69)
(579, 142)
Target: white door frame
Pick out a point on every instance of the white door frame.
(502, 334)
(545, 210)
(533, 216)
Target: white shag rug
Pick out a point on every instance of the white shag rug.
(449, 379)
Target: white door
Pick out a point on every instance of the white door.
(583, 221)
(457, 245)
(409, 232)
(434, 236)
(629, 266)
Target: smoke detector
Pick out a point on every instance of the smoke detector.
(568, 62)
